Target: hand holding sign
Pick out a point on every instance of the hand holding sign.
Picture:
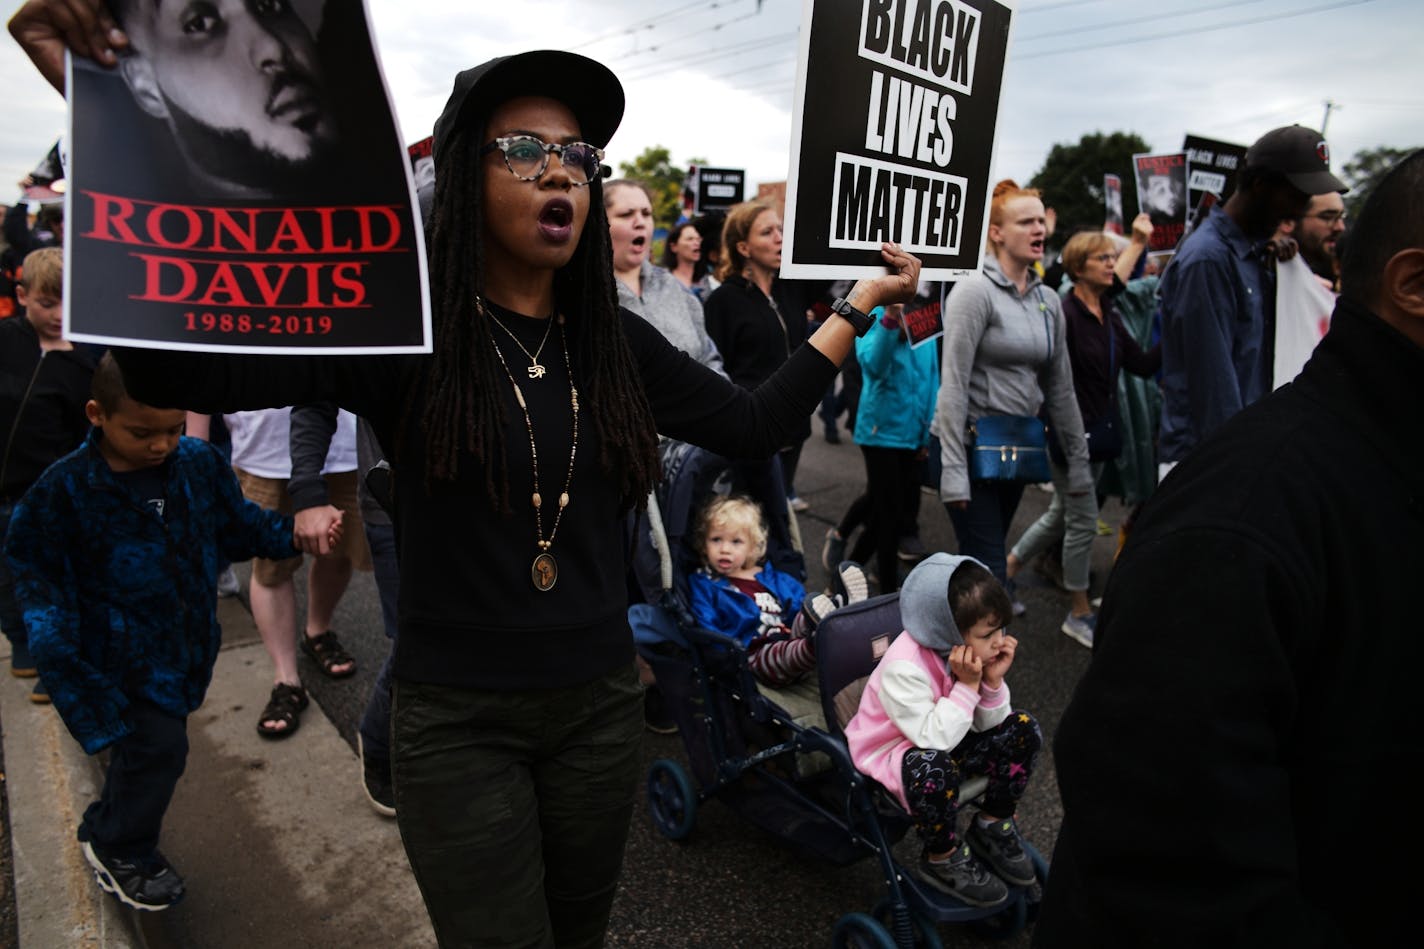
(896, 287)
(46, 28)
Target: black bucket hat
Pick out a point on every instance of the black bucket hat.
(586, 86)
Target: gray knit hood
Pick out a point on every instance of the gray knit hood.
(924, 602)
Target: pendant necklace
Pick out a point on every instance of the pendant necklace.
(544, 571)
(535, 370)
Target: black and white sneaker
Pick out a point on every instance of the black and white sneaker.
(1002, 848)
(147, 884)
(850, 582)
(376, 780)
(964, 878)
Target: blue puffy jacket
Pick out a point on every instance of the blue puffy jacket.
(722, 608)
(120, 601)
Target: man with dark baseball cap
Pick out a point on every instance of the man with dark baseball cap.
(1299, 154)
(1218, 298)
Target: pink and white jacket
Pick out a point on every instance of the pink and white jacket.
(912, 701)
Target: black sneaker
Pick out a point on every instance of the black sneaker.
(656, 716)
(39, 694)
(150, 884)
(376, 780)
(964, 878)
(1002, 847)
(834, 550)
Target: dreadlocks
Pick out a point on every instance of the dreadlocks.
(458, 413)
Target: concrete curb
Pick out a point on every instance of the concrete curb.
(50, 781)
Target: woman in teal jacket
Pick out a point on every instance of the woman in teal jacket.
(892, 428)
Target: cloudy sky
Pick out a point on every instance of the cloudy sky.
(716, 78)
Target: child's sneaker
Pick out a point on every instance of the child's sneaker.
(850, 582)
(150, 884)
(1000, 845)
(964, 878)
(1081, 628)
(820, 606)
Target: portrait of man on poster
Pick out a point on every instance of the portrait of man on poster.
(240, 85)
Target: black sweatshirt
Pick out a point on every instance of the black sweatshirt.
(469, 613)
(42, 397)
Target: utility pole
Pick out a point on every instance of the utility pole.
(1330, 106)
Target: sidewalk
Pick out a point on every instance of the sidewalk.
(275, 840)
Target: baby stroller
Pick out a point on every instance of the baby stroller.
(779, 757)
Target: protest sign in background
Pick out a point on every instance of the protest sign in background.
(1162, 193)
(1112, 201)
(715, 189)
(897, 103)
(1211, 167)
(245, 207)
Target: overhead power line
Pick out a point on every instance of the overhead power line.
(649, 22)
(1131, 21)
(1188, 31)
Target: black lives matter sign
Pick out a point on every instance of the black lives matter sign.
(893, 137)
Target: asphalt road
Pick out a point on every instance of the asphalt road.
(730, 884)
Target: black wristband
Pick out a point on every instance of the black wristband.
(860, 321)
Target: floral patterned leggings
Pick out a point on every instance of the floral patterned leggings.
(1004, 754)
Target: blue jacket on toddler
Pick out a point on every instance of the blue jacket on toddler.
(120, 601)
(722, 608)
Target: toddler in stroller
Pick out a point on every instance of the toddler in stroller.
(935, 711)
(765, 610)
(744, 742)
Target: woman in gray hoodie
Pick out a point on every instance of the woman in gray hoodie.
(1004, 354)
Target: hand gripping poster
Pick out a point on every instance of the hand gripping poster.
(892, 137)
(238, 184)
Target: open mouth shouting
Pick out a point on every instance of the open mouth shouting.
(556, 220)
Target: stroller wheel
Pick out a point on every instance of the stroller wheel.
(672, 799)
(860, 931)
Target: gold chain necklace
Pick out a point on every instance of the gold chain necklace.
(535, 370)
(545, 569)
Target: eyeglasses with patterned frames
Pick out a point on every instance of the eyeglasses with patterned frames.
(527, 157)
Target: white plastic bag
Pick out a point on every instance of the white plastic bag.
(1303, 308)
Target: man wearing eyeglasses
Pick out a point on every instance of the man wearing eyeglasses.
(1317, 231)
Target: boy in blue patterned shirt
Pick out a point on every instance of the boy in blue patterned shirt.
(114, 551)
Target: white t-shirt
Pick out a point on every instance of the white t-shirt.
(261, 446)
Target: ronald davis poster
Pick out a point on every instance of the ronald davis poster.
(245, 204)
(896, 106)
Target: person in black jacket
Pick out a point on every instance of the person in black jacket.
(516, 448)
(756, 319)
(44, 384)
(1233, 760)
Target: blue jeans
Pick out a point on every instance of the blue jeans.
(983, 527)
(1072, 521)
(375, 724)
